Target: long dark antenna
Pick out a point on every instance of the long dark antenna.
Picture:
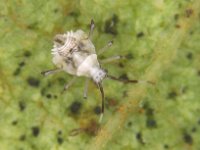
(127, 80)
(122, 80)
(102, 100)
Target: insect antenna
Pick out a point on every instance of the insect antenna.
(102, 101)
(92, 25)
(128, 81)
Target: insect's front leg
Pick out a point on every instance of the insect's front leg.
(113, 58)
(52, 71)
(92, 25)
(102, 50)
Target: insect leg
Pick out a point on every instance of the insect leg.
(113, 58)
(91, 29)
(75, 132)
(68, 84)
(128, 81)
(102, 97)
(52, 71)
(109, 44)
(86, 88)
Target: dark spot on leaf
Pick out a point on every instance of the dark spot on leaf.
(187, 138)
(32, 81)
(61, 81)
(121, 65)
(59, 132)
(101, 57)
(15, 122)
(151, 123)
(140, 34)
(75, 107)
(129, 124)
(178, 26)
(22, 137)
(43, 91)
(56, 10)
(22, 105)
(35, 131)
(125, 93)
(74, 13)
(27, 53)
(97, 110)
(189, 55)
(32, 26)
(188, 12)
(60, 140)
(17, 71)
(48, 96)
(191, 32)
(145, 105)
(184, 89)
(198, 73)
(55, 96)
(149, 112)
(176, 16)
(111, 25)
(172, 95)
(21, 64)
(194, 129)
(166, 146)
(49, 84)
(139, 137)
(129, 56)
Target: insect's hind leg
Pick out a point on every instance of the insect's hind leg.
(52, 71)
(68, 84)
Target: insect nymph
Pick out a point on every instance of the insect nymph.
(74, 53)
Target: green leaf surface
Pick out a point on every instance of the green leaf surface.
(161, 41)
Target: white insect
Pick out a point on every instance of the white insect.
(74, 53)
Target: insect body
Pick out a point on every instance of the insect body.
(74, 53)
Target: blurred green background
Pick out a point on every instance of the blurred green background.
(161, 40)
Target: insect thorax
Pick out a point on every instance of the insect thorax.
(75, 54)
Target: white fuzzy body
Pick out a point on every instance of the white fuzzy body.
(75, 53)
